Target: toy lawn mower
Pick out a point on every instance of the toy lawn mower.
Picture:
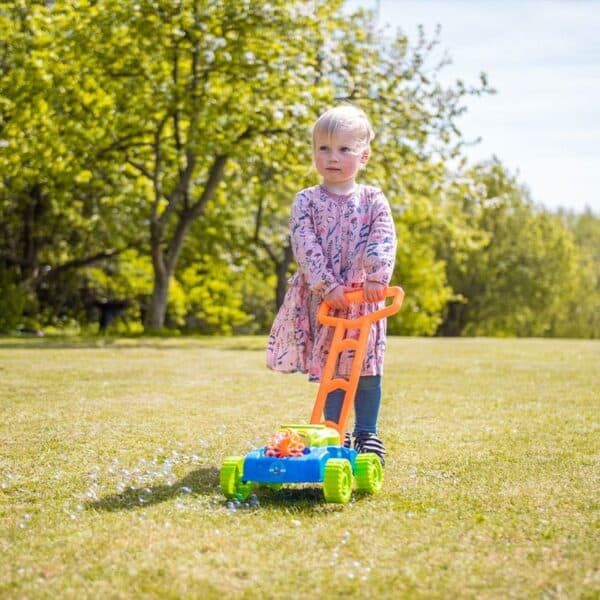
(314, 453)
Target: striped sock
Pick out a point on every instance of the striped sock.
(347, 440)
(369, 442)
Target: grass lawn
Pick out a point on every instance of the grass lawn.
(110, 452)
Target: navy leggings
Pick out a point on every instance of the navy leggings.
(366, 404)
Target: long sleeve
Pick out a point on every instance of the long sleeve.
(380, 251)
(307, 249)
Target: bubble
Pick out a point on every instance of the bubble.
(4, 485)
(185, 490)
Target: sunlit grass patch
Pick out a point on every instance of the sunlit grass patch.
(111, 451)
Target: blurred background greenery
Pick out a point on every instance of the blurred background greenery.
(150, 151)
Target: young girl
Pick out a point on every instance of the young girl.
(343, 237)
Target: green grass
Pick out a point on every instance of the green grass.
(110, 451)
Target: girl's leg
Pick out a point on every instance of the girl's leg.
(333, 405)
(366, 408)
(366, 404)
(332, 410)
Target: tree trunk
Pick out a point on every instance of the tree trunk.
(164, 261)
(157, 309)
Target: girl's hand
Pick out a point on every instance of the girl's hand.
(336, 298)
(374, 292)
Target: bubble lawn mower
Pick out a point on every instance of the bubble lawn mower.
(314, 453)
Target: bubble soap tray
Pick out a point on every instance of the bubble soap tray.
(313, 453)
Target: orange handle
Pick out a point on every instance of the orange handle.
(339, 343)
(397, 293)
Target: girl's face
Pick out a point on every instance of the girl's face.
(338, 159)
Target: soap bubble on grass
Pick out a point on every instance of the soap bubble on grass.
(157, 470)
(7, 481)
(25, 522)
(339, 560)
(233, 505)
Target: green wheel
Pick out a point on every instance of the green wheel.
(368, 473)
(337, 481)
(231, 481)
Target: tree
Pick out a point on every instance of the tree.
(580, 314)
(57, 199)
(516, 283)
(196, 84)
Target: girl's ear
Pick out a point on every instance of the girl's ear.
(364, 157)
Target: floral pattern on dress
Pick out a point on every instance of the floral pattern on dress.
(337, 240)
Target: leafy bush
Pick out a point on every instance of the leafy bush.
(12, 303)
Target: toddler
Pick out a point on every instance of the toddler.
(343, 237)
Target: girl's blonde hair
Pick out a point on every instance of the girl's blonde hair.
(345, 118)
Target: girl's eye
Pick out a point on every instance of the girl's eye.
(323, 148)
(345, 149)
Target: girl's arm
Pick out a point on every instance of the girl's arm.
(307, 250)
(380, 251)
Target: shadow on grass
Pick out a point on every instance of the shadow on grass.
(298, 498)
(200, 481)
(295, 498)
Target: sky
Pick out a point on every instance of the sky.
(543, 59)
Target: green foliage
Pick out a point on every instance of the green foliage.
(580, 314)
(150, 150)
(419, 271)
(516, 282)
(12, 303)
(213, 305)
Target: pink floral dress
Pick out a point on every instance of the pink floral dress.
(337, 240)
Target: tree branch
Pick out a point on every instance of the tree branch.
(77, 263)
